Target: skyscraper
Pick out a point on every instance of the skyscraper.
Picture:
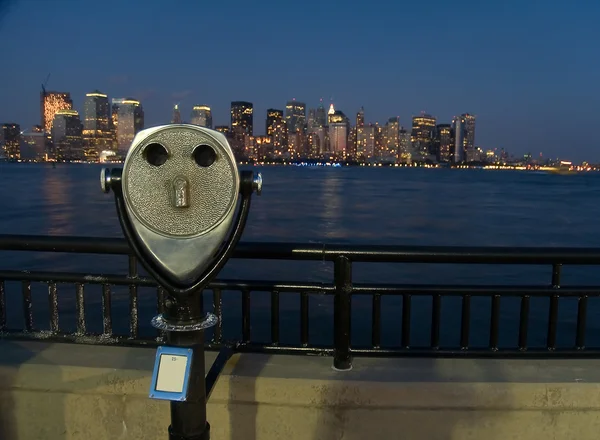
(176, 115)
(391, 138)
(96, 124)
(276, 130)
(242, 123)
(423, 128)
(459, 125)
(50, 103)
(128, 120)
(34, 144)
(338, 134)
(470, 153)
(321, 115)
(202, 116)
(445, 142)
(10, 141)
(67, 135)
(295, 116)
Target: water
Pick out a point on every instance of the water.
(404, 206)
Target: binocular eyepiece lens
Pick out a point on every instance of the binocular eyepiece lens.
(156, 154)
(204, 156)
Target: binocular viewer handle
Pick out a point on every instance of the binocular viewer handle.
(249, 183)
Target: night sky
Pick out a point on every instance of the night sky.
(527, 69)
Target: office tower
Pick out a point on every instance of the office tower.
(11, 141)
(33, 146)
(202, 116)
(459, 126)
(223, 129)
(67, 135)
(295, 116)
(50, 103)
(176, 119)
(338, 134)
(405, 146)
(391, 133)
(330, 113)
(423, 129)
(445, 142)
(128, 120)
(321, 115)
(470, 152)
(242, 124)
(97, 135)
(276, 130)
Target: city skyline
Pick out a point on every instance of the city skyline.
(522, 68)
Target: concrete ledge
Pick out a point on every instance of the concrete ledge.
(62, 391)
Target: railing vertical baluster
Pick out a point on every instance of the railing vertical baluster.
(80, 308)
(465, 322)
(376, 328)
(106, 310)
(342, 273)
(133, 299)
(556, 275)
(275, 317)
(304, 319)
(53, 306)
(436, 316)
(552, 323)
(246, 315)
(495, 322)
(581, 322)
(524, 322)
(2, 306)
(27, 311)
(406, 301)
(218, 311)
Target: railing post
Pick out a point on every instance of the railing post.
(342, 272)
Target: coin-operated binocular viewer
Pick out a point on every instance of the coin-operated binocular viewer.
(182, 205)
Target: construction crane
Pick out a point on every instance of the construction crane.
(44, 84)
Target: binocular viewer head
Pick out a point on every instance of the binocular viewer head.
(176, 198)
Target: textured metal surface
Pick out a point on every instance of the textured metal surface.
(150, 190)
(160, 323)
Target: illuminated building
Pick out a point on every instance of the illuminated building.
(320, 115)
(34, 144)
(390, 139)
(128, 120)
(242, 123)
(470, 152)
(176, 115)
(445, 142)
(67, 135)
(360, 144)
(459, 126)
(295, 116)
(11, 141)
(223, 129)
(405, 146)
(97, 135)
(423, 128)
(51, 102)
(276, 130)
(338, 134)
(202, 116)
(330, 113)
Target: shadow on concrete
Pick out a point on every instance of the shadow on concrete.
(411, 416)
(243, 405)
(51, 404)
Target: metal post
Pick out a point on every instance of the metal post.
(188, 419)
(342, 271)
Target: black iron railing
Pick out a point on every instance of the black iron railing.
(342, 288)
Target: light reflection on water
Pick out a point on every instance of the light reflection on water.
(342, 205)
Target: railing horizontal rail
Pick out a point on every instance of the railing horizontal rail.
(400, 327)
(326, 252)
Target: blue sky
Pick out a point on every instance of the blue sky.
(528, 69)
